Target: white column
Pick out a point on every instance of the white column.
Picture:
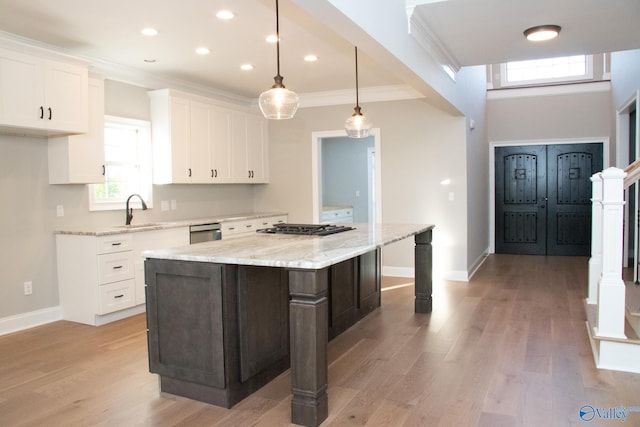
(595, 262)
(611, 290)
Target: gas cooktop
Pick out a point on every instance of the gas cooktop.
(306, 229)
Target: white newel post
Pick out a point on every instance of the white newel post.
(611, 290)
(595, 262)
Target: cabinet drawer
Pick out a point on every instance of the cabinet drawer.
(269, 221)
(117, 296)
(115, 267)
(114, 243)
(233, 228)
(338, 215)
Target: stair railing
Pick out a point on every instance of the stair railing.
(606, 287)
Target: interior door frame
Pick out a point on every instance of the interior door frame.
(622, 159)
(316, 170)
(492, 170)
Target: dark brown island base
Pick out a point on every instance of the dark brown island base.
(226, 317)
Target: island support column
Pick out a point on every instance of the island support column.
(308, 319)
(423, 272)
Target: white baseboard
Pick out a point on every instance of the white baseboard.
(478, 262)
(398, 271)
(456, 276)
(28, 320)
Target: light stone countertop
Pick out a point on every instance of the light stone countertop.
(293, 251)
(161, 225)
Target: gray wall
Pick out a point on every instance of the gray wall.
(28, 221)
(345, 172)
(550, 117)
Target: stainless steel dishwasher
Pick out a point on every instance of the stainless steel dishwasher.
(204, 233)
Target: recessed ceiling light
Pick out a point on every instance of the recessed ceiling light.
(203, 50)
(542, 33)
(149, 31)
(272, 38)
(150, 61)
(225, 14)
(310, 58)
(246, 67)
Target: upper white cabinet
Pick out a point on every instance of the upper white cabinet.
(79, 159)
(249, 148)
(43, 96)
(197, 141)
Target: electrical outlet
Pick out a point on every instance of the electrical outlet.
(174, 205)
(60, 210)
(164, 205)
(28, 288)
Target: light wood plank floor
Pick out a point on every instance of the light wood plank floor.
(508, 348)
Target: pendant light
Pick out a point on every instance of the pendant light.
(278, 102)
(357, 126)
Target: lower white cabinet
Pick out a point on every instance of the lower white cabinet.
(336, 214)
(243, 227)
(100, 277)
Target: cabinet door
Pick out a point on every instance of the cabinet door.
(220, 148)
(256, 148)
(201, 127)
(22, 89)
(184, 321)
(66, 97)
(239, 154)
(79, 159)
(179, 140)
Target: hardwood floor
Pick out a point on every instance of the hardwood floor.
(509, 348)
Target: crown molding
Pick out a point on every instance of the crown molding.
(366, 95)
(426, 38)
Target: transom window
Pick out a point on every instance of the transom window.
(547, 70)
(127, 153)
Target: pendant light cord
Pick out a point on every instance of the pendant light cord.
(357, 101)
(278, 39)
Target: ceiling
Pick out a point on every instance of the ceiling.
(471, 32)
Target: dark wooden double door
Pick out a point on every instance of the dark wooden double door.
(543, 198)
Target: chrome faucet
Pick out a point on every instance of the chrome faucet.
(129, 211)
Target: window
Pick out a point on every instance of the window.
(127, 153)
(547, 70)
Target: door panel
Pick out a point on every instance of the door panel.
(543, 198)
(520, 200)
(570, 167)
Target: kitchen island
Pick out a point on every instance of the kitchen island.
(226, 317)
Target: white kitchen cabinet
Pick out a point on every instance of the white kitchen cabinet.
(242, 227)
(153, 240)
(170, 129)
(197, 141)
(249, 148)
(333, 214)
(42, 96)
(101, 278)
(79, 159)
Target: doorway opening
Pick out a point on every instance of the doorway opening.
(346, 173)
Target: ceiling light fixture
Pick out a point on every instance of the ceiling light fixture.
(542, 32)
(149, 31)
(246, 67)
(225, 15)
(310, 58)
(357, 126)
(278, 102)
(203, 50)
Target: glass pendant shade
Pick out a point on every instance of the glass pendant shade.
(357, 126)
(278, 103)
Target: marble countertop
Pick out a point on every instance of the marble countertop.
(293, 251)
(161, 225)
